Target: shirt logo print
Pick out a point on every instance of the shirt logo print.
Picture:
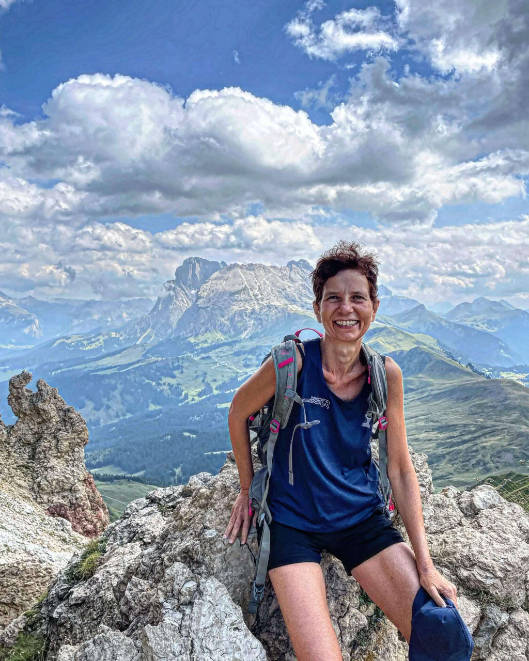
(319, 401)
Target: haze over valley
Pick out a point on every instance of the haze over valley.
(155, 390)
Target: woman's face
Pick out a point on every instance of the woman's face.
(346, 309)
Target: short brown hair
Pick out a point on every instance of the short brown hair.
(345, 255)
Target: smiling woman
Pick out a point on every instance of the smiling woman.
(335, 501)
(346, 309)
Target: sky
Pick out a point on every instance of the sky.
(136, 134)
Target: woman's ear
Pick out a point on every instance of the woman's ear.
(316, 308)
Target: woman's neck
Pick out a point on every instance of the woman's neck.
(341, 360)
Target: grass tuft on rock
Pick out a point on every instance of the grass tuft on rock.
(28, 647)
(87, 564)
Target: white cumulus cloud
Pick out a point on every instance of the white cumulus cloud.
(350, 30)
(120, 146)
(451, 263)
(454, 35)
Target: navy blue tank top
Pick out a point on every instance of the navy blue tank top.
(335, 481)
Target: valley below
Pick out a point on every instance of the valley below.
(155, 391)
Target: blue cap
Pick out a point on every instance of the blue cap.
(438, 633)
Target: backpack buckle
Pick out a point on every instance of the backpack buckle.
(263, 516)
(274, 426)
(383, 423)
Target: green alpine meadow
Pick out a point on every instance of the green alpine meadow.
(157, 410)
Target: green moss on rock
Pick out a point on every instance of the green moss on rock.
(87, 564)
(28, 647)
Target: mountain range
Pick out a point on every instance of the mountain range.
(27, 321)
(500, 319)
(465, 341)
(155, 390)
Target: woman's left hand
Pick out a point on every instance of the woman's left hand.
(436, 585)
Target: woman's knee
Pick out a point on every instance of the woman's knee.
(438, 633)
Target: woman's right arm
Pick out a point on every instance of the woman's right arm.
(249, 398)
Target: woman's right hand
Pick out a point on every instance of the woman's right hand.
(240, 518)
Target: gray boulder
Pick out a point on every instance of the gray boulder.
(170, 587)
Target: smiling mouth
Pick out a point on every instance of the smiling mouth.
(347, 324)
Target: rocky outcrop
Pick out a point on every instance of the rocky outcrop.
(34, 547)
(48, 500)
(170, 587)
(42, 456)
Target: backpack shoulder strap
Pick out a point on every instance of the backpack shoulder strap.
(376, 371)
(377, 402)
(285, 360)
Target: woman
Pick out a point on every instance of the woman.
(334, 502)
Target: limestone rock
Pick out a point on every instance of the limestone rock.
(48, 500)
(34, 547)
(513, 641)
(170, 587)
(42, 456)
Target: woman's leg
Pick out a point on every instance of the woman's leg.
(300, 591)
(391, 580)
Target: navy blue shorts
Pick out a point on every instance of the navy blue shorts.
(351, 546)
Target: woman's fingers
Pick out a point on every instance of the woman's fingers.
(436, 585)
(434, 594)
(450, 591)
(231, 522)
(245, 528)
(239, 519)
(235, 526)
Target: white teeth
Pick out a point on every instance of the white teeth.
(347, 323)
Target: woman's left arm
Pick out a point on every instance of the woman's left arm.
(405, 487)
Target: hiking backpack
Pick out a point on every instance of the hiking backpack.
(266, 424)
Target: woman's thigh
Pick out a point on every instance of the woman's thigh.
(300, 591)
(391, 580)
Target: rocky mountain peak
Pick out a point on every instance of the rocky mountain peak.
(194, 271)
(480, 307)
(243, 299)
(179, 295)
(487, 305)
(384, 291)
(417, 313)
(302, 264)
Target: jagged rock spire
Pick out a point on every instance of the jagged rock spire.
(43, 454)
